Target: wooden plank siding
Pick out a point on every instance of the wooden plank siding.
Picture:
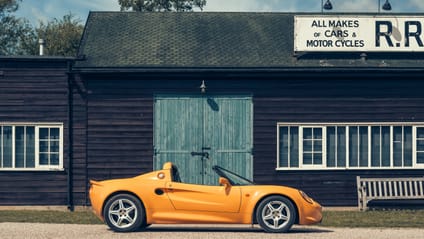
(120, 121)
(119, 130)
(113, 122)
(35, 91)
(79, 144)
(326, 101)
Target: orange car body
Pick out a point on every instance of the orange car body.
(168, 202)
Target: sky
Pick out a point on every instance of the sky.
(44, 10)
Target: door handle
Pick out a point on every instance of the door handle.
(203, 154)
(206, 148)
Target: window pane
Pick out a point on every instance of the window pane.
(44, 159)
(317, 146)
(420, 157)
(307, 133)
(54, 146)
(341, 146)
(307, 158)
(385, 146)
(420, 145)
(19, 147)
(375, 146)
(30, 147)
(307, 146)
(407, 150)
(44, 146)
(420, 132)
(331, 146)
(54, 133)
(353, 146)
(44, 133)
(397, 146)
(54, 159)
(363, 154)
(7, 146)
(317, 158)
(294, 147)
(284, 146)
(317, 133)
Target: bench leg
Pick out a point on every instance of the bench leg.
(362, 200)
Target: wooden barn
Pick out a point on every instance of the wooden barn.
(234, 89)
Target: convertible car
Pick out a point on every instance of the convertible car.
(160, 197)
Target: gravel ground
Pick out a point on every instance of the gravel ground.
(44, 231)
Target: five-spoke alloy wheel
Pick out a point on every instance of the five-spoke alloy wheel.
(124, 213)
(276, 214)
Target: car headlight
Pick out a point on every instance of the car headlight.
(306, 197)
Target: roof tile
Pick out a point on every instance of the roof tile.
(207, 39)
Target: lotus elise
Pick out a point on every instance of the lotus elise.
(159, 197)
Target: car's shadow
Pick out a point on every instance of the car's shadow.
(214, 228)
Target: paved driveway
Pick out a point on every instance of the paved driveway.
(43, 231)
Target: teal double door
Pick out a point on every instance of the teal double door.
(197, 132)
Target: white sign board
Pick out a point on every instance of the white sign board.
(358, 33)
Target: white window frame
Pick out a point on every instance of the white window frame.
(346, 139)
(37, 127)
(358, 160)
(323, 149)
(414, 147)
(414, 126)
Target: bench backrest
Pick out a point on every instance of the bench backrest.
(391, 188)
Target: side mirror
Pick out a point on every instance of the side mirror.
(224, 182)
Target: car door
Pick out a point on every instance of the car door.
(191, 197)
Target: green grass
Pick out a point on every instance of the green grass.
(378, 219)
(390, 218)
(84, 217)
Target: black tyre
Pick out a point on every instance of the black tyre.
(124, 213)
(276, 214)
(144, 226)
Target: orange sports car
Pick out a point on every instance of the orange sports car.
(160, 197)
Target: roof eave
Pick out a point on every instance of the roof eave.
(250, 70)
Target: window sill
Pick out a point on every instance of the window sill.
(32, 169)
(348, 169)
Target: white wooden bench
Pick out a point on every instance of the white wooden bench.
(387, 189)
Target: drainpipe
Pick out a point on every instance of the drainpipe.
(70, 137)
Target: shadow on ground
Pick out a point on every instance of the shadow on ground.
(207, 229)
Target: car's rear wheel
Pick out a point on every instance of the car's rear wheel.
(276, 214)
(124, 213)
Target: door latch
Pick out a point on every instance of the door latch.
(203, 154)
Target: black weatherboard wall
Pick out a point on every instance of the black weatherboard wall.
(349, 99)
(127, 59)
(297, 99)
(33, 90)
(235, 53)
(36, 91)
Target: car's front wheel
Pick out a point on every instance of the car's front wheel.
(124, 213)
(276, 214)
